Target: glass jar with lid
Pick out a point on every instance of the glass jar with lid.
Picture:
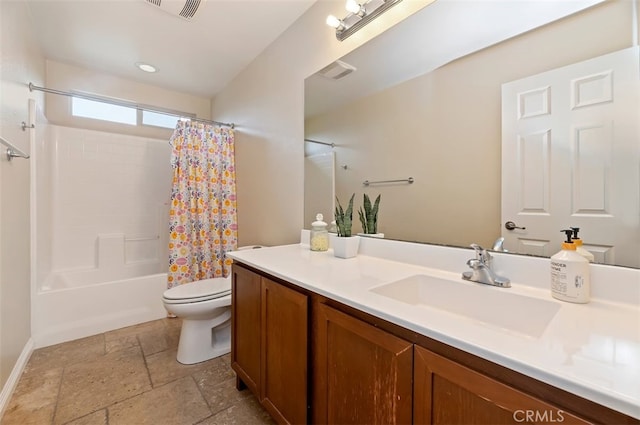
(319, 235)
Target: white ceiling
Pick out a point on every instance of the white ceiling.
(199, 56)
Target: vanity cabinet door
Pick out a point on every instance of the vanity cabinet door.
(445, 392)
(362, 374)
(284, 357)
(245, 324)
(269, 344)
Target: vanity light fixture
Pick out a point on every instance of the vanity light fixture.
(359, 16)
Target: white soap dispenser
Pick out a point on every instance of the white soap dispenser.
(578, 243)
(570, 280)
(319, 234)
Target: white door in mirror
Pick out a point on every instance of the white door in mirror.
(567, 163)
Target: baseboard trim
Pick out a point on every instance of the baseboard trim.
(10, 386)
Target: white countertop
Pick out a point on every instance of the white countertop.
(591, 350)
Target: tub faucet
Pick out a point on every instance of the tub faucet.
(481, 271)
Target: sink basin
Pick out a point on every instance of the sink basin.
(496, 307)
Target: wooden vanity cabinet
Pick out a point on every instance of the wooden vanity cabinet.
(311, 359)
(446, 392)
(269, 343)
(362, 374)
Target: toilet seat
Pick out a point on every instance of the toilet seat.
(202, 290)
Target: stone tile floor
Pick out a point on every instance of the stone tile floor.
(129, 376)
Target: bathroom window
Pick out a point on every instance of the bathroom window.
(159, 120)
(130, 115)
(103, 111)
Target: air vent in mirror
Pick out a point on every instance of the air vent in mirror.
(185, 9)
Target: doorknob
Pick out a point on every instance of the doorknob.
(510, 225)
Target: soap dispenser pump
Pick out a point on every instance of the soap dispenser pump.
(570, 280)
(578, 243)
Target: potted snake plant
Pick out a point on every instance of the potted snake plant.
(368, 215)
(344, 245)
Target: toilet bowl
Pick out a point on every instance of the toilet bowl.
(205, 309)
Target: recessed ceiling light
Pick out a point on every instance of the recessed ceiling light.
(146, 67)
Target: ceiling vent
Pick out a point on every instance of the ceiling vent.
(336, 70)
(185, 9)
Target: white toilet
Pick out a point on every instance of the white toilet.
(205, 309)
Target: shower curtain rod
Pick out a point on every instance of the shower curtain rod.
(124, 103)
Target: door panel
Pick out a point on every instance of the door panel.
(363, 374)
(445, 392)
(570, 153)
(284, 362)
(245, 317)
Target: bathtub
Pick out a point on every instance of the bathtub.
(75, 304)
(75, 278)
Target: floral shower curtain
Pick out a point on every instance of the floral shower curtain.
(202, 215)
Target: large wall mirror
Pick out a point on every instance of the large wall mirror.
(462, 97)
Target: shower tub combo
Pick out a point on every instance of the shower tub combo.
(76, 303)
(99, 233)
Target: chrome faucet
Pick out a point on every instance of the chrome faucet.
(481, 271)
(498, 245)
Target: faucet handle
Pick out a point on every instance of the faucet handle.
(476, 247)
(482, 254)
(474, 263)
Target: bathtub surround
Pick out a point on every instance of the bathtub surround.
(109, 196)
(65, 314)
(116, 260)
(101, 240)
(202, 216)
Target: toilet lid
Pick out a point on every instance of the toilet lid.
(200, 290)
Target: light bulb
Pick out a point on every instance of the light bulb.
(353, 6)
(333, 22)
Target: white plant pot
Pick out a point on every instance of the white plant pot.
(345, 247)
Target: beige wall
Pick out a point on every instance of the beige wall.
(21, 61)
(444, 129)
(65, 77)
(266, 100)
